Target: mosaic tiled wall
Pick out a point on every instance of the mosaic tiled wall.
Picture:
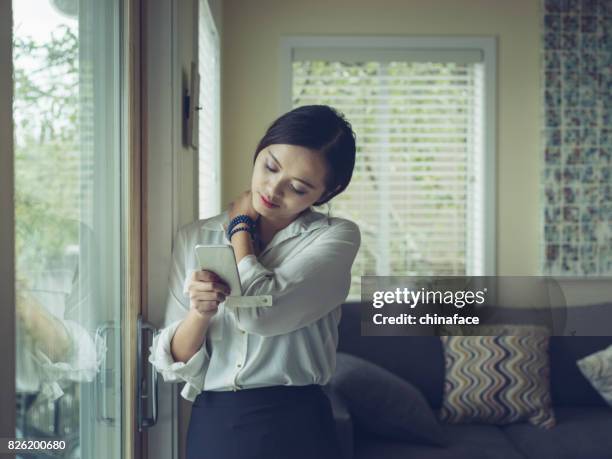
(577, 115)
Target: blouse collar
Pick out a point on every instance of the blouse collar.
(308, 221)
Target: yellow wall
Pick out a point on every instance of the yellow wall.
(251, 88)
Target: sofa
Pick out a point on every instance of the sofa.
(584, 420)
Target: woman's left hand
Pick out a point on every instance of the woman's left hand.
(243, 205)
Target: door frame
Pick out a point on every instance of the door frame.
(7, 224)
(169, 46)
(134, 238)
(161, 100)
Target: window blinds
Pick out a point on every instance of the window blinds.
(417, 189)
(209, 131)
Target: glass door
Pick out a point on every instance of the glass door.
(70, 225)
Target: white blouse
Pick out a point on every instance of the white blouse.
(305, 269)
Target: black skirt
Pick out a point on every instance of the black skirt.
(284, 422)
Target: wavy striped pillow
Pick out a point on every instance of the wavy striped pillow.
(497, 380)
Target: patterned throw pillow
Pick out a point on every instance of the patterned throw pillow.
(597, 368)
(497, 380)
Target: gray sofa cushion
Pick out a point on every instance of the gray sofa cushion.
(384, 404)
(466, 441)
(581, 432)
(418, 359)
(568, 384)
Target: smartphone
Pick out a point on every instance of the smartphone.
(220, 259)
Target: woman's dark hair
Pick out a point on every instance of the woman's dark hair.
(323, 129)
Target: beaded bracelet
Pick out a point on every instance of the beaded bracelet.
(237, 230)
(241, 219)
(238, 220)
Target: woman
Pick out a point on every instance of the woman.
(255, 373)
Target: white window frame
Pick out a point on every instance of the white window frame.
(407, 44)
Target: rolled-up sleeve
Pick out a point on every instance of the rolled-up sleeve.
(81, 363)
(304, 287)
(191, 372)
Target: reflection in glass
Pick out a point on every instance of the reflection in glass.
(67, 209)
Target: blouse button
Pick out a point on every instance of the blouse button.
(239, 365)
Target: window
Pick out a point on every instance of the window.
(209, 131)
(71, 100)
(422, 190)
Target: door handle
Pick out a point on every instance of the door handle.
(102, 378)
(146, 389)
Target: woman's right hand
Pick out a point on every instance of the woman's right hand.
(206, 291)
